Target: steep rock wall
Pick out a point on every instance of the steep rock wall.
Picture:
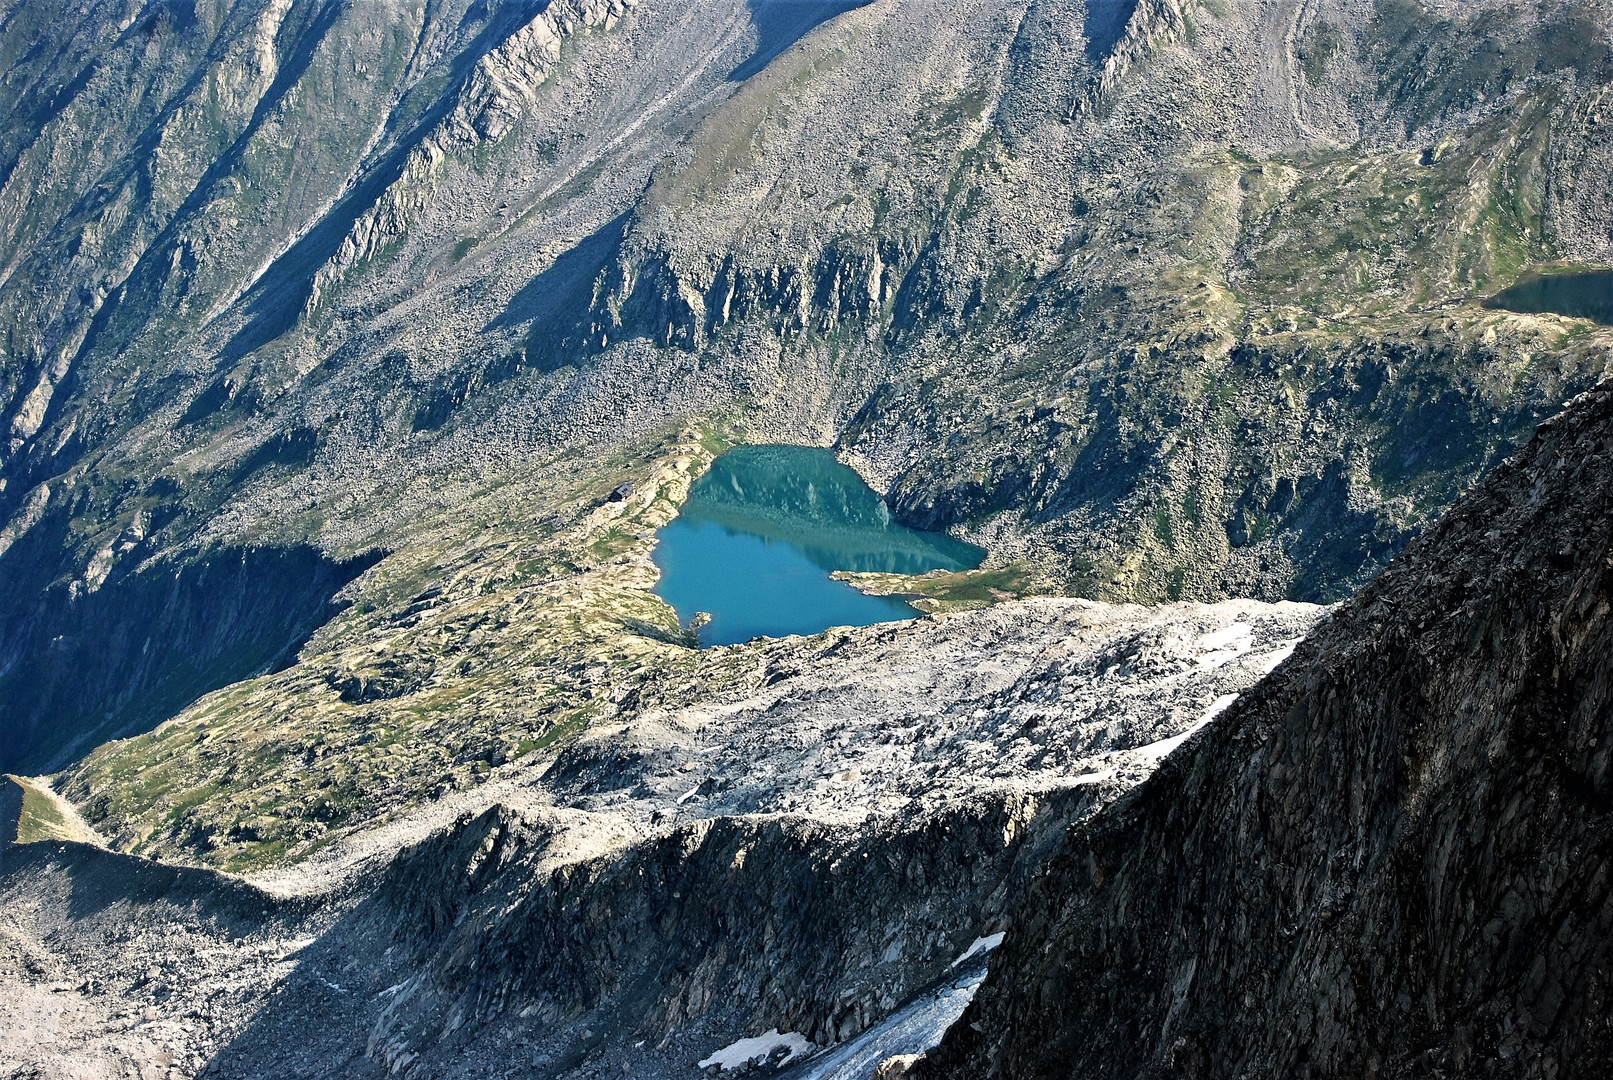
(1390, 859)
(86, 665)
(484, 942)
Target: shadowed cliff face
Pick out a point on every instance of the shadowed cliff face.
(86, 666)
(806, 858)
(1161, 299)
(475, 941)
(1392, 858)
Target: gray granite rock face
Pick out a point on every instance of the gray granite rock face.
(1390, 859)
(805, 859)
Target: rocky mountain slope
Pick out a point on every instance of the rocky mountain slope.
(1168, 299)
(1389, 859)
(804, 859)
(361, 744)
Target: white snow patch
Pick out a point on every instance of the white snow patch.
(687, 795)
(980, 945)
(1156, 751)
(912, 1029)
(738, 1055)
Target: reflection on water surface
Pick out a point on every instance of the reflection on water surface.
(1583, 295)
(760, 533)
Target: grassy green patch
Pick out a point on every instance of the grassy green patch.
(1162, 528)
(964, 590)
(41, 816)
(570, 727)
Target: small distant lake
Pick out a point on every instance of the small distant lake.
(764, 528)
(1583, 295)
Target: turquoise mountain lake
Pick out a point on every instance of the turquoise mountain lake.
(762, 530)
(1584, 295)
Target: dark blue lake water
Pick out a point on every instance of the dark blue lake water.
(1583, 295)
(761, 532)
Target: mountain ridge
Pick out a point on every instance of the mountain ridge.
(1107, 348)
(352, 354)
(1437, 899)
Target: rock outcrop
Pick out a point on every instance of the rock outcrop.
(1392, 858)
(1160, 300)
(806, 859)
